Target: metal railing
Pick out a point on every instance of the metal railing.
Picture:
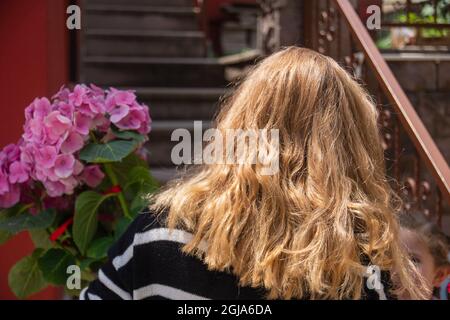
(420, 173)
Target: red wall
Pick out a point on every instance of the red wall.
(33, 62)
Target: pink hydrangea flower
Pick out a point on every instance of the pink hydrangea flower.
(92, 176)
(11, 197)
(54, 189)
(72, 143)
(67, 110)
(18, 172)
(62, 94)
(70, 184)
(12, 152)
(117, 97)
(102, 123)
(54, 133)
(46, 156)
(78, 168)
(77, 96)
(82, 123)
(12, 173)
(64, 165)
(38, 109)
(57, 124)
(4, 183)
(118, 113)
(134, 119)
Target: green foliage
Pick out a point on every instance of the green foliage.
(86, 243)
(5, 236)
(121, 225)
(140, 185)
(40, 238)
(112, 151)
(129, 135)
(25, 277)
(53, 265)
(17, 221)
(85, 219)
(99, 247)
(107, 152)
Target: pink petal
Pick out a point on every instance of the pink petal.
(64, 165)
(4, 184)
(72, 143)
(17, 173)
(78, 168)
(83, 123)
(57, 124)
(118, 113)
(54, 189)
(45, 156)
(92, 176)
(10, 198)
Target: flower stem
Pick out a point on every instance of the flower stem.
(115, 181)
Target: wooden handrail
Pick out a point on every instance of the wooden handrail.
(411, 122)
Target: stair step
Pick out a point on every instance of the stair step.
(153, 72)
(141, 17)
(181, 103)
(181, 93)
(104, 42)
(165, 174)
(168, 126)
(181, 3)
(160, 144)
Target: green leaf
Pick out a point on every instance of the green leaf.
(86, 263)
(99, 247)
(121, 225)
(85, 219)
(5, 236)
(122, 168)
(25, 277)
(26, 221)
(6, 214)
(40, 238)
(138, 204)
(53, 265)
(109, 152)
(142, 177)
(141, 184)
(9, 213)
(129, 135)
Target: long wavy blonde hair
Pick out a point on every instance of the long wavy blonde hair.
(306, 231)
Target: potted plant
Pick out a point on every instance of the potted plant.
(74, 181)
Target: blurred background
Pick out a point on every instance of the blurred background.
(181, 55)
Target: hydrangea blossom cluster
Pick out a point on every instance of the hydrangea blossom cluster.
(12, 173)
(54, 133)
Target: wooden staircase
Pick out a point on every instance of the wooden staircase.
(155, 47)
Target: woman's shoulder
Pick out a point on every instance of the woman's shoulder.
(144, 223)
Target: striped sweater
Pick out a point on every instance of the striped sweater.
(147, 263)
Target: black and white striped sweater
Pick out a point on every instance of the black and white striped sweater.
(147, 263)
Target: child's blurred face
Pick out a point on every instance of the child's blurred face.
(420, 255)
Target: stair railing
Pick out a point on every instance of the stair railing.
(420, 173)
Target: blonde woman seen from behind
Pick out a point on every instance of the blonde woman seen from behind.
(308, 231)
